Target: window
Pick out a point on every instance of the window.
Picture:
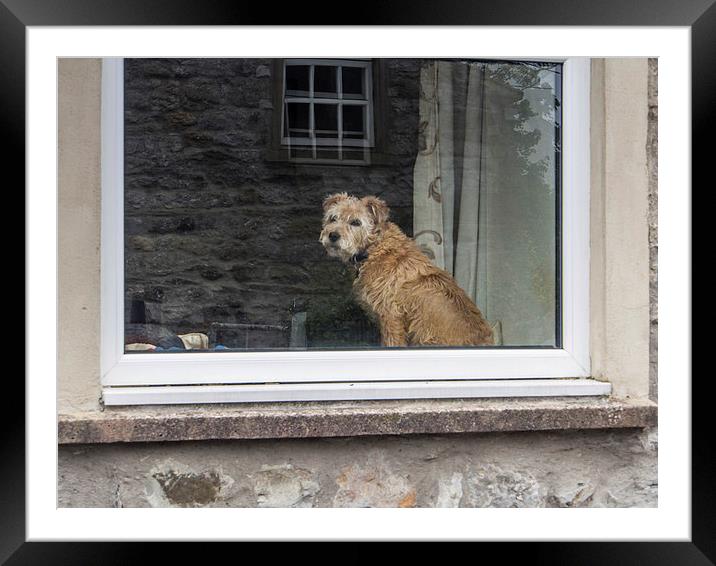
(327, 110)
(215, 284)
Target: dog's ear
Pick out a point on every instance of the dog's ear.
(377, 209)
(330, 200)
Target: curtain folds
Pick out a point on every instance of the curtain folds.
(486, 189)
(448, 175)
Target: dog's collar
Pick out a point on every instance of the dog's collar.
(357, 259)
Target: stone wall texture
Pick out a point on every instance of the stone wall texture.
(598, 468)
(560, 469)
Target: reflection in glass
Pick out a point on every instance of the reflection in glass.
(297, 119)
(326, 117)
(486, 186)
(325, 81)
(353, 82)
(298, 80)
(221, 236)
(353, 122)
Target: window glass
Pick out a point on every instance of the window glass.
(353, 122)
(325, 81)
(449, 236)
(353, 82)
(331, 104)
(326, 116)
(298, 80)
(298, 121)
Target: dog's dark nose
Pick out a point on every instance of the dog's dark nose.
(333, 236)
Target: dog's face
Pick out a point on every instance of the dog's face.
(351, 225)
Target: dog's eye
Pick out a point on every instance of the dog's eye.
(332, 219)
(355, 222)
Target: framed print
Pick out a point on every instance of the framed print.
(406, 264)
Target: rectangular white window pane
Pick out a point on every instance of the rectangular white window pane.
(325, 81)
(326, 120)
(297, 122)
(298, 80)
(353, 80)
(354, 122)
(222, 243)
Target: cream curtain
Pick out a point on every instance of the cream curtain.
(448, 175)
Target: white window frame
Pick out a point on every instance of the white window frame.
(361, 374)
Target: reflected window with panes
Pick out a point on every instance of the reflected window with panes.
(327, 110)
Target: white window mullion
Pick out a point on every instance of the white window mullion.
(368, 81)
(112, 215)
(311, 116)
(339, 88)
(312, 128)
(339, 81)
(340, 132)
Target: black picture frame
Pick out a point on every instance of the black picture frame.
(17, 15)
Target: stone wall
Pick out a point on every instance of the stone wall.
(560, 469)
(217, 231)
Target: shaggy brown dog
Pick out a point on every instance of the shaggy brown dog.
(414, 302)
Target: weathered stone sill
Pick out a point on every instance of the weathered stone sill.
(351, 418)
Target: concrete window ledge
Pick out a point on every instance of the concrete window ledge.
(351, 418)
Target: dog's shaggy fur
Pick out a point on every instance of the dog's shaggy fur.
(414, 302)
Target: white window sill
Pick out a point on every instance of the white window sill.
(351, 391)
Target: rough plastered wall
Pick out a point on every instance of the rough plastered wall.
(597, 468)
(652, 166)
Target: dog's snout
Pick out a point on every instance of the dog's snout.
(333, 236)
